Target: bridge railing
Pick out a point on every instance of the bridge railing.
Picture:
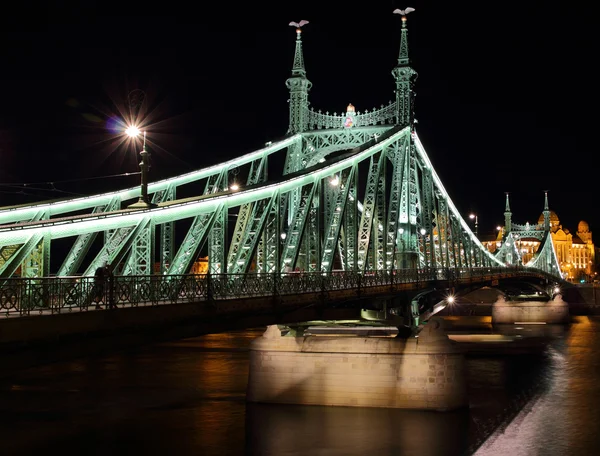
(51, 295)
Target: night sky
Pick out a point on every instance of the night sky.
(505, 95)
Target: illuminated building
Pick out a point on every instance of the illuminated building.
(200, 266)
(575, 252)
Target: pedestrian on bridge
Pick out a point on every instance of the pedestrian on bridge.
(100, 278)
(111, 287)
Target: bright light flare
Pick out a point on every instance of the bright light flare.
(450, 299)
(132, 131)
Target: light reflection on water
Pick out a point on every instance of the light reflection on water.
(188, 398)
(300, 430)
(565, 419)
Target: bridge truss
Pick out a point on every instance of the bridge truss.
(374, 207)
(356, 192)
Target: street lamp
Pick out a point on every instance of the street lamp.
(474, 216)
(133, 132)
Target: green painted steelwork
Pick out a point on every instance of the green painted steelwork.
(396, 216)
(28, 212)
(298, 85)
(167, 230)
(262, 293)
(82, 244)
(404, 76)
(192, 244)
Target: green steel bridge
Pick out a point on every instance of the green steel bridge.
(356, 206)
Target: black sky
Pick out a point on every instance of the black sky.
(506, 97)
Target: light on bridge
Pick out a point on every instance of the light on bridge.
(474, 217)
(132, 131)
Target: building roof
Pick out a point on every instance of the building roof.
(583, 227)
(554, 220)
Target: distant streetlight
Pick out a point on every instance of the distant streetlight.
(474, 216)
(133, 132)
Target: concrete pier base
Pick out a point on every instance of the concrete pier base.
(555, 311)
(425, 373)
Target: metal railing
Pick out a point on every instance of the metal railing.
(52, 295)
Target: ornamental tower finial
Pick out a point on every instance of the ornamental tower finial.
(507, 207)
(405, 77)
(298, 67)
(507, 217)
(298, 86)
(546, 212)
(403, 54)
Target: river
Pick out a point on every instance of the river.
(188, 398)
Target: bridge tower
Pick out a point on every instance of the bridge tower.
(407, 241)
(507, 218)
(298, 85)
(546, 213)
(405, 77)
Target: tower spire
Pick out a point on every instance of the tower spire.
(298, 66)
(507, 217)
(546, 212)
(298, 85)
(405, 77)
(403, 54)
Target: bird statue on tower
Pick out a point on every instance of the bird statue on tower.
(298, 25)
(403, 12)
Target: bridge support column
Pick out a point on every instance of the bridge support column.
(425, 373)
(407, 260)
(555, 311)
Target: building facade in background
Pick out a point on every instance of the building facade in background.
(576, 252)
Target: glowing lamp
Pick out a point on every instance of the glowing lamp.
(132, 131)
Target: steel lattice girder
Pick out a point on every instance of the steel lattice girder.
(82, 244)
(416, 193)
(26, 213)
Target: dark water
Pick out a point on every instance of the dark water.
(188, 398)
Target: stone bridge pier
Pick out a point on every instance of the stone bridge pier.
(554, 311)
(425, 372)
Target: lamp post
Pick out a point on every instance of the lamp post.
(143, 202)
(474, 216)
